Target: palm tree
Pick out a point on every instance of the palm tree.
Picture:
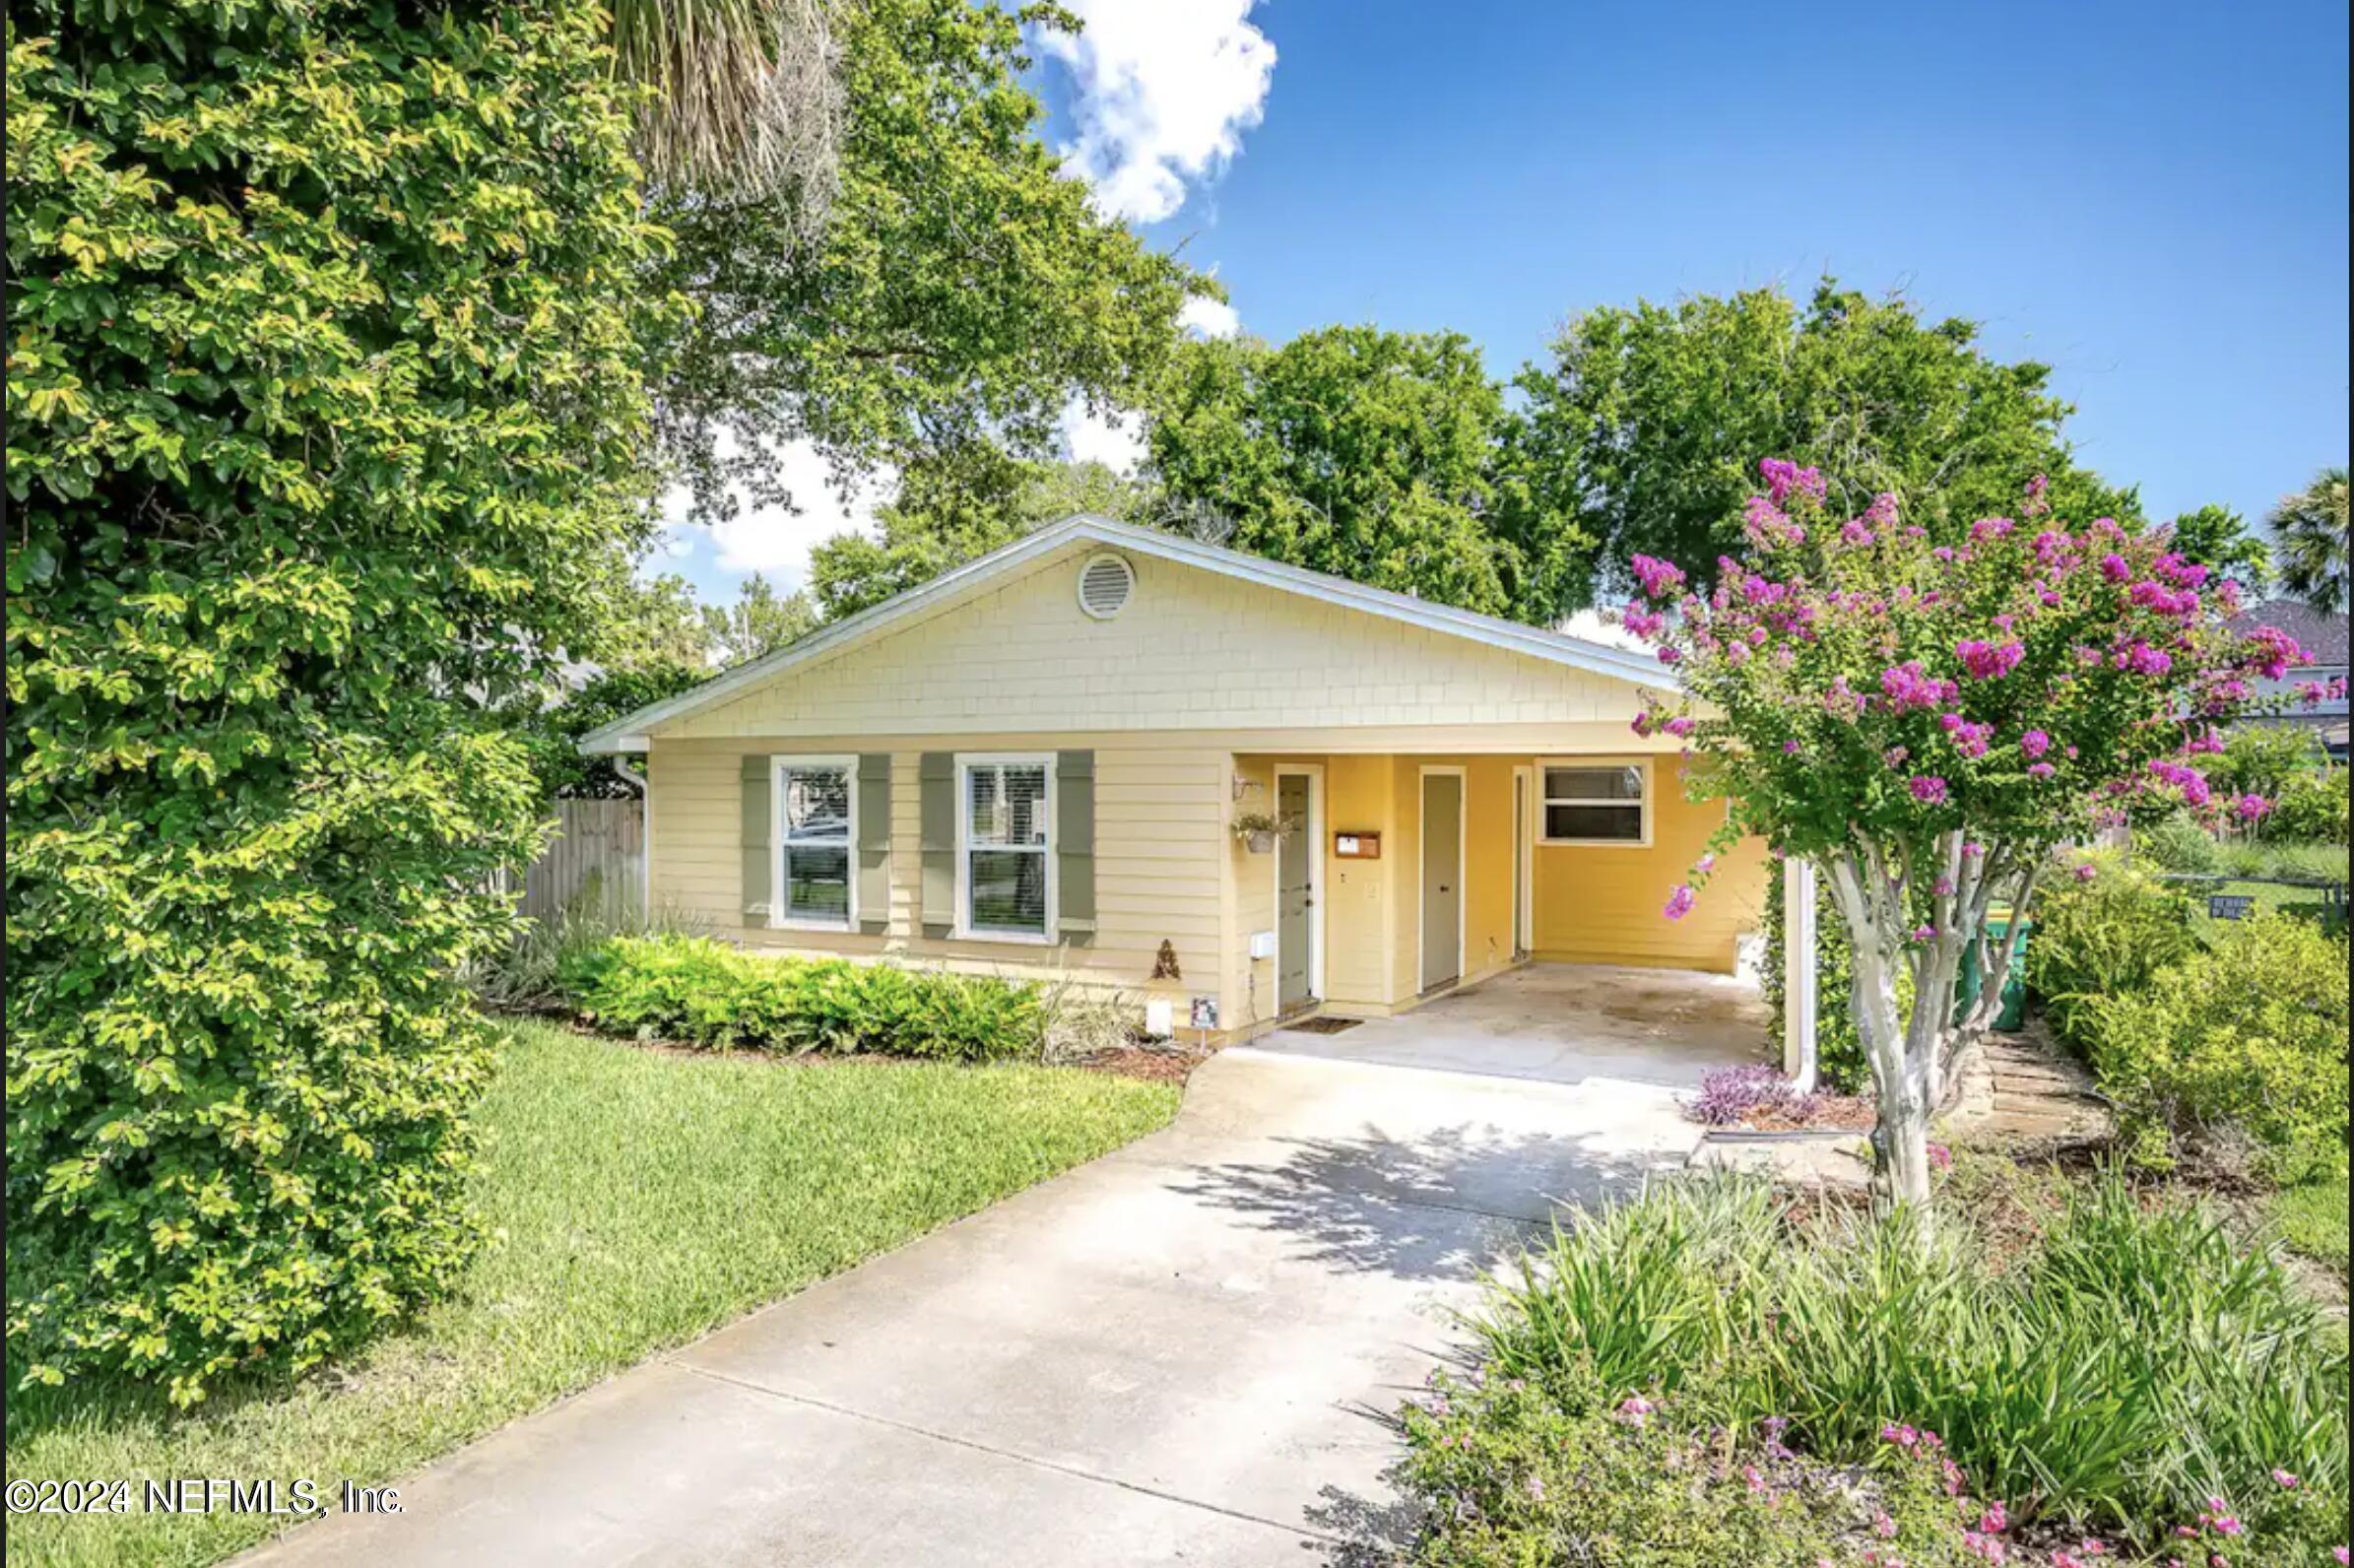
(2310, 537)
(747, 96)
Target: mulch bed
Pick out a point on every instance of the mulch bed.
(1833, 1113)
(1140, 1062)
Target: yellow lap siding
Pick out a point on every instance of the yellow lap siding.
(1158, 831)
(1598, 904)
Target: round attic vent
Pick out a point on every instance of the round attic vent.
(1105, 583)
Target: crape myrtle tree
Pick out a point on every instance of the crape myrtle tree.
(1930, 721)
(325, 418)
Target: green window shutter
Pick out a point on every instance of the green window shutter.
(757, 817)
(937, 777)
(1075, 845)
(874, 841)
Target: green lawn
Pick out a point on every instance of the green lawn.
(2313, 1222)
(634, 1200)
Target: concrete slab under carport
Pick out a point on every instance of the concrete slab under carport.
(1564, 1024)
(1187, 1351)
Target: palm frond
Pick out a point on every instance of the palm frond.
(2309, 538)
(746, 96)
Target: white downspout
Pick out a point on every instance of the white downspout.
(1798, 973)
(645, 836)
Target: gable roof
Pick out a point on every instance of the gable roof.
(628, 733)
(2322, 635)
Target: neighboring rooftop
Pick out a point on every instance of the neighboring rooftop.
(2322, 635)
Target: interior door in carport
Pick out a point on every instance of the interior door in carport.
(1442, 878)
(1296, 894)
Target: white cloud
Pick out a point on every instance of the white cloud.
(1595, 627)
(1163, 91)
(774, 540)
(1115, 439)
(1212, 318)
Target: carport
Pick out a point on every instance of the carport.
(1561, 1024)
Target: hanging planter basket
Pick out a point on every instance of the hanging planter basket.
(1259, 831)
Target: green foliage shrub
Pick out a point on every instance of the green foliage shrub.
(2313, 806)
(2248, 1035)
(2263, 760)
(2179, 843)
(2099, 939)
(697, 989)
(324, 421)
(2115, 1371)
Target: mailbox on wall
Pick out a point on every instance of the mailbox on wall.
(1356, 846)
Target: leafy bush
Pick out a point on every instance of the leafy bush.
(2179, 843)
(325, 426)
(2125, 1367)
(2263, 760)
(2098, 940)
(697, 989)
(530, 971)
(2312, 806)
(2248, 1036)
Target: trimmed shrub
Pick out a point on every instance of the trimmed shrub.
(326, 419)
(2097, 941)
(705, 992)
(2113, 1375)
(2249, 1035)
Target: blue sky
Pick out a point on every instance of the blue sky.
(2152, 199)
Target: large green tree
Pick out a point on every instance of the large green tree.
(2218, 537)
(1641, 425)
(961, 289)
(325, 426)
(956, 505)
(2309, 530)
(1368, 454)
(759, 622)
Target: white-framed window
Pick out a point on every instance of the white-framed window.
(1004, 846)
(1594, 801)
(812, 843)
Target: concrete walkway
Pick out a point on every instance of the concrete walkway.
(1183, 1352)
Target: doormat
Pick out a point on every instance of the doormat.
(1324, 1026)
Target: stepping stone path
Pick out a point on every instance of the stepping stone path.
(2024, 1088)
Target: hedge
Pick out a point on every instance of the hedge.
(704, 992)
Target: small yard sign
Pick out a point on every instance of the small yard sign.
(2230, 906)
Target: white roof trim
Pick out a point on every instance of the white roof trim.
(629, 732)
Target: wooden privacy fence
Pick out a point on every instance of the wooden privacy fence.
(594, 859)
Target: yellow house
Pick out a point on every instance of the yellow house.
(1041, 764)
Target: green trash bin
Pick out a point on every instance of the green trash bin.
(2012, 1015)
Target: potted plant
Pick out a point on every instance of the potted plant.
(1259, 831)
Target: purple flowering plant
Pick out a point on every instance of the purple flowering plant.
(1927, 719)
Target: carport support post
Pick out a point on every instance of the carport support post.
(1797, 972)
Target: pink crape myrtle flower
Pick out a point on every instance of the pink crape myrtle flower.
(1680, 901)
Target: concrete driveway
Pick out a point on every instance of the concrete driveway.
(1183, 1352)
